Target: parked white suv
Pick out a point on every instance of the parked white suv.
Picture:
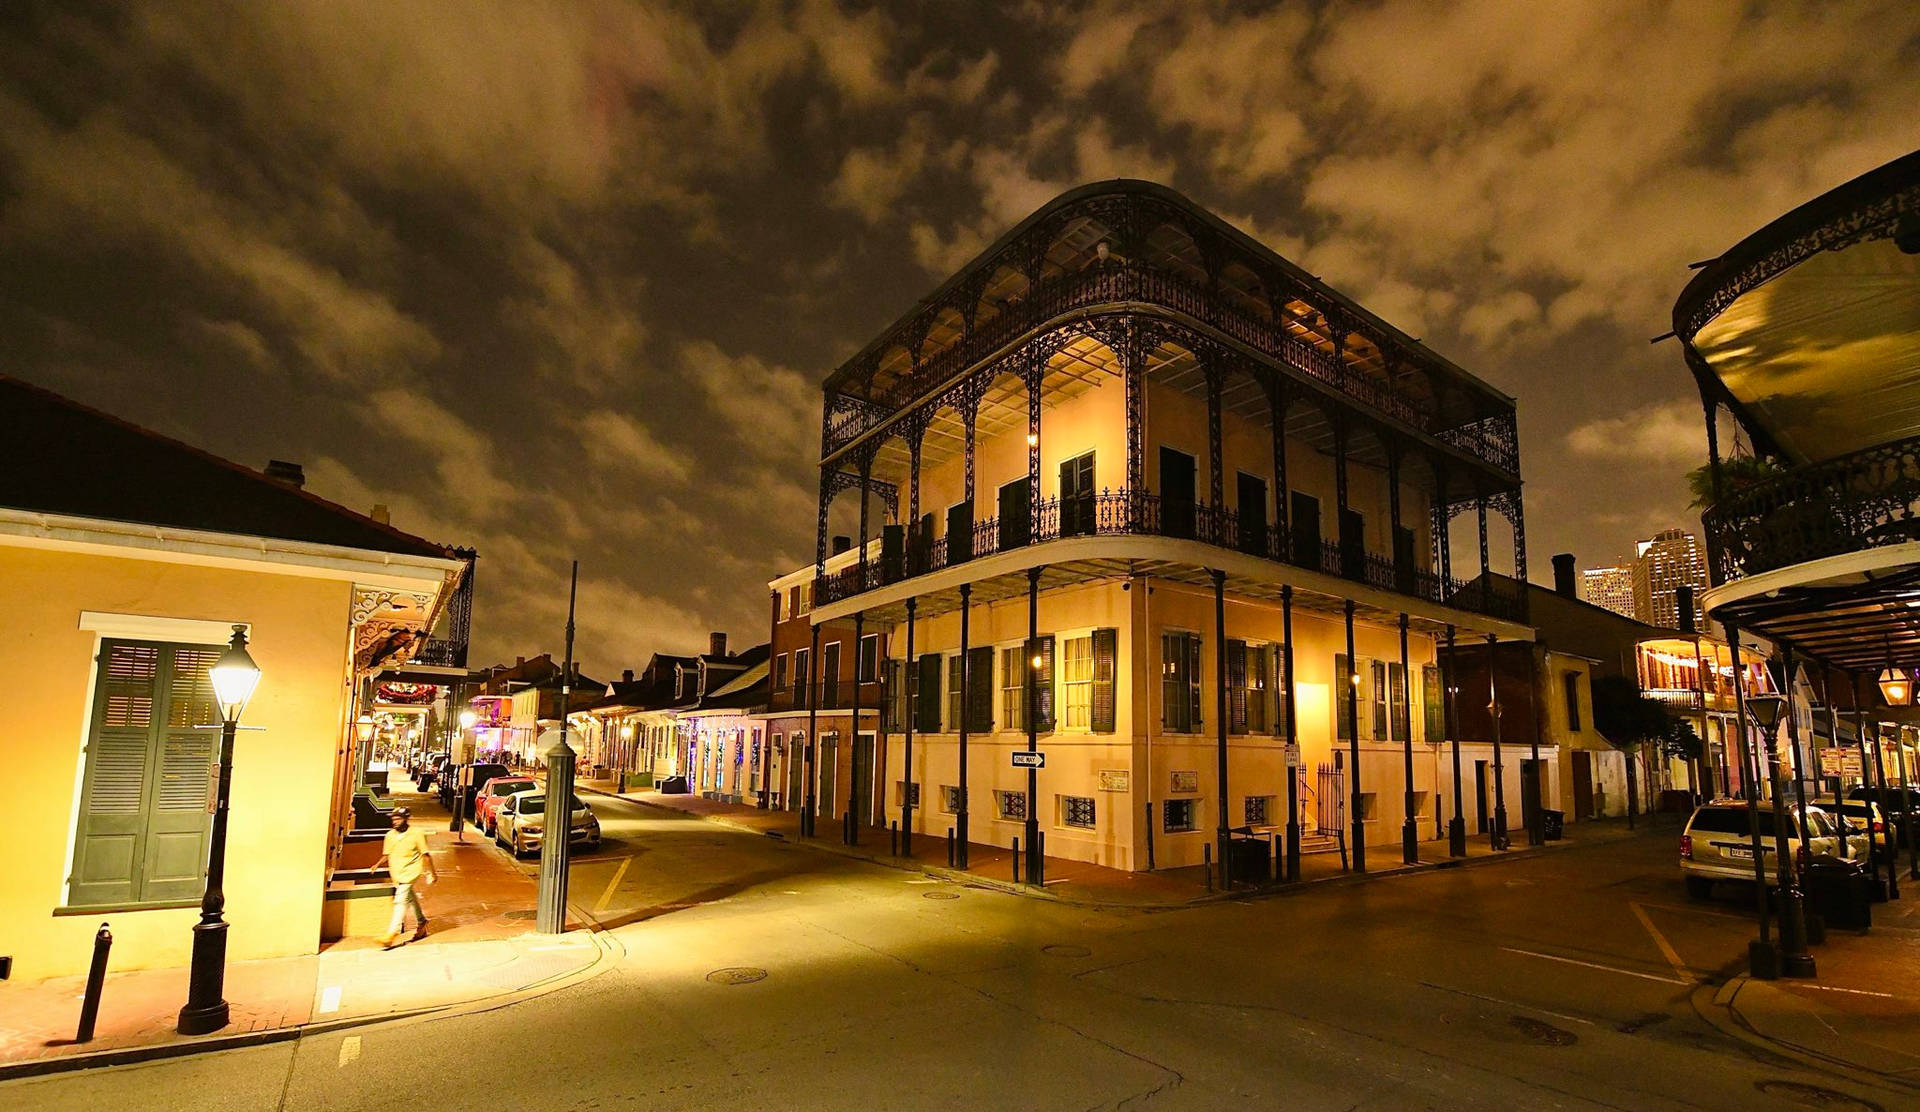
(1718, 842)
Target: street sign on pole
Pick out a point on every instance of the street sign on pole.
(1839, 760)
(1028, 758)
(1293, 754)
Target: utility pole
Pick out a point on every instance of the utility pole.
(557, 824)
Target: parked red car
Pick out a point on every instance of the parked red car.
(486, 801)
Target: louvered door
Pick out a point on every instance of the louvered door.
(143, 809)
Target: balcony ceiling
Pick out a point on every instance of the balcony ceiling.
(1825, 356)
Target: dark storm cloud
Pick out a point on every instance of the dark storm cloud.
(562, 280)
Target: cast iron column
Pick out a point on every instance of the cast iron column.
(1883, 848)
(1409, 831)
(1352, 697)
(1839, 774)
(853, 785)
(1456, 826)
(1036, 856)
(1497, 830)
(1799, 768)
(1794, 959)
(557, 823)
(966, 713)
(1221, 838)
(1763, 957)
(914, 695)
(1906, 810)
(206, 1008)
(1293, 738)
(813, 731)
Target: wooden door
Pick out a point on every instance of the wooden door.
(1582, 784)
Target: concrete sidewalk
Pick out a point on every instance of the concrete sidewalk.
(480, 949)
(1093, 885)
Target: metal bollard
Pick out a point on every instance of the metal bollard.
(1037, 868)
(1016, 859)
(846, 828)
(893, 837)
(1149, 835)
(949, 847)
(1206, 858)
(96, 980)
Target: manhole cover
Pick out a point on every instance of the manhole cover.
(940, 895)
(529, 913)
(738, 975)
(1063, 950)
(1813, 1096)
(1546, 1034)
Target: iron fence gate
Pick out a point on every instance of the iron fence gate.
(1330, 802)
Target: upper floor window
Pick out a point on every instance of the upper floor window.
(1180, 682)
(1570, 688)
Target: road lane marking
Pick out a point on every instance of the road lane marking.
(1603, 968)
(349, 1050)
(1853, 991)
(606, 897)
(1666, 948)
(330, 999)
(1511, 1004)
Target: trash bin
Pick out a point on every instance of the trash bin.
(1250, 857)
(1839, 891)
(1553, 824)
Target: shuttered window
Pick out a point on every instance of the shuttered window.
(1430, 689)
(956, 690)
(143, 810)
(1106, 645)
(1344, 694)
(926, 696)
(1180, 683)
(1043, 700)
(1076, 681)
(1237, 693)
(980, 690)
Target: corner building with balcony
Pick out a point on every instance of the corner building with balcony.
(1135, 487)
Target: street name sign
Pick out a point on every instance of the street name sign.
(1027, 758)
(1839, 760)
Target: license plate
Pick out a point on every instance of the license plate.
(1745, 853)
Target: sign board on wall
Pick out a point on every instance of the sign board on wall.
(1839, 760)
(1185, 782)
(1112, 780)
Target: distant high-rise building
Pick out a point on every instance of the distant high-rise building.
(1611, 587)
(1668, 560)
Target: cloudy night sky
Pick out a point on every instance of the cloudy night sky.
(562, 280)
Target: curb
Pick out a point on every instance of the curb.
(957, 876)
(1714, 1004)
(609, 951)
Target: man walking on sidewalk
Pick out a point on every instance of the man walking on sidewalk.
(406, 851)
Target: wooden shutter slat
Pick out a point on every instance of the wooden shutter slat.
(980, 689)
(1106, 644)
(1237, 687)
(1043, 687)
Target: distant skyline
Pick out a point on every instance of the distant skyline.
(563, 281)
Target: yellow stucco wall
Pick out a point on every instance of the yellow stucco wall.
(282, 772)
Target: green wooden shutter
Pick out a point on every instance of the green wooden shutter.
(1430, 692)
(926, 702)
(980, 690)
(1043, 686)
(1343, 679)
(1106, 649)
(143, 810)
(1236, 687)
(1279, 691)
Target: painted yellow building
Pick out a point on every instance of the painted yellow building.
(1150, 464)
(122, 574)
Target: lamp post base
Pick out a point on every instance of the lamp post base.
(1763, 961)
(1456, 837)
(1409, 842)
(206, 1009)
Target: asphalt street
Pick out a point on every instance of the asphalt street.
(765, 975)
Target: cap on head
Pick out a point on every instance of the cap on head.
(400, 812)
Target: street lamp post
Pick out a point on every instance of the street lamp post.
(234, 677)
(1763, 956)
(1794, 959)
(1896, 687)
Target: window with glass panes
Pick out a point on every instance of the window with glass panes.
(1013, 689)
(1180, 682)
(1076, 810)
(1076, 680)
(949, 799)
(1011, 806)
(956, 690)
(1258, 807)
(896, 695)
(1252, 686)
(869, 669)
(1177, 815)
(802, 680)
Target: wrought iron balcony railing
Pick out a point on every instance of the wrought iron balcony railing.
(1490, 439)
(1124, 513)
(1866, 499)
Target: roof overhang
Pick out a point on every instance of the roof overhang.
(1855, 611)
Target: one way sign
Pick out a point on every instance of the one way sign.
(1029, 758)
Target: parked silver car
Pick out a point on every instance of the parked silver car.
(1718, 843)
(520, 823)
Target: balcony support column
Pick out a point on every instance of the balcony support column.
(1293, 738)
(970, 416)
(1036, 853)
(1216, 483)
(1351, 696)
(1496, 830)
(917, 545)
(866, 476)
(906, 746)
(820, 542)
(1402, 567)
(813, 731)
(1409, 829)
(1340, 495)
(1793, 742)
(1883, 846)
(1277, 407)
(1442, 532)
(1486, 573)
(1456, 826)
(1133, 367)
(1223, 840)
(1036, 373)
(853, 717)
(966, 713)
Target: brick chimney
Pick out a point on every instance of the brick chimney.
(1683, 601)
(281, 471)
(626, 676)
(717, 644)
(841, 544)
(1563, 576)
(379, 513)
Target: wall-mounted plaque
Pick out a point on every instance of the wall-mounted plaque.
(1115, 780)
(1186, 782)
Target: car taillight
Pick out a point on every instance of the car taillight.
(1686, 847)
(1877, 827)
